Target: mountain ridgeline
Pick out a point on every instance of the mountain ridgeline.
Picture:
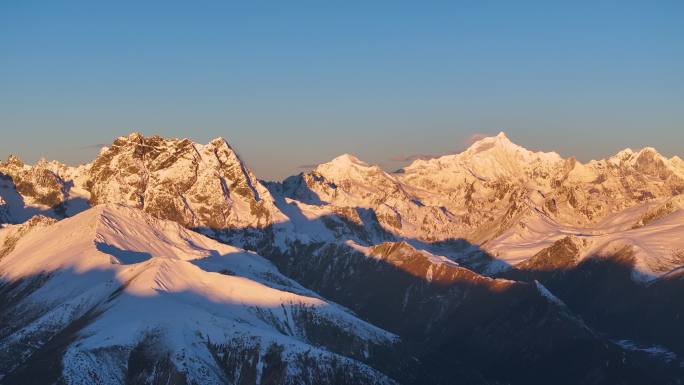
(168, 261)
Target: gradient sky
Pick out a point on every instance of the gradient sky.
(291, 83)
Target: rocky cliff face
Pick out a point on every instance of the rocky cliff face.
(37, 184)
(588, 193)
(46, 188)
(195, 185)
(199, 186)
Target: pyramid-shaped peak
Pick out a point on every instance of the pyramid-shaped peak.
(499, 145)
(500, 137)
(347, 159)
(347, 166)
(499, 141)
(159, 143)
(488, 157)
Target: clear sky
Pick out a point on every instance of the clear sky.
(291, 83)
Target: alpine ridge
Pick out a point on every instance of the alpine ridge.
(113, 285)
(165, 260)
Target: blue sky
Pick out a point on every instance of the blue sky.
(299, 82)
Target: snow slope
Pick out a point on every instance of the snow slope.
(657, 245)
(135, 278)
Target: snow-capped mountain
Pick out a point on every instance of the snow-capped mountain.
(489, 159)
(349, 188)
(201, 186)
(46, 188)
(495, 184)
(192, 184)
(116, 295)
(492, 186)
(481, 262)
(495, 194)
(477, 195)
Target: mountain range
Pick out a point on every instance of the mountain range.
(168, 261)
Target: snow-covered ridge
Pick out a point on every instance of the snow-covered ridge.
(151, 278)
(485, 194)
(651, 232)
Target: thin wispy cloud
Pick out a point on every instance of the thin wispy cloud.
(472, 138)
(306, 166)
(94, 146)
(412, 157)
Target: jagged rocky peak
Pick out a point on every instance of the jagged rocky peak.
(622, 155)
(196, 185)
(626, 179)
(629, 157)
(39, 184)
(644, 166)
(13, 160)
(648, 161)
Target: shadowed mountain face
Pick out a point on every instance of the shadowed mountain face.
(601, 289)
(452, 316)
(114, 295)
(587, 260)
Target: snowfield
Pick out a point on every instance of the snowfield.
(658, 246)
(136, 277)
